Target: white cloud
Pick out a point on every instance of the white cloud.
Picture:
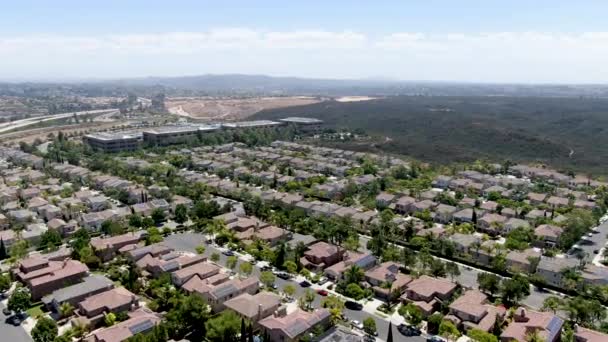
(492, 56)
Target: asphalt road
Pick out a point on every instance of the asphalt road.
(11, 333)
(189, 242)
(596, 241)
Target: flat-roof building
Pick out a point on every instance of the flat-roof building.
(113, 142)
(251, 124)
(303, 124)
(168, 135)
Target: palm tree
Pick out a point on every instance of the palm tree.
(354, 275)
(66, 309)
(552, 304)
(534, 337)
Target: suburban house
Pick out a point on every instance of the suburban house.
(107, 247)
(140, 321)
(362, 260)
(202, 270)
(550, 269)
(491, 223)
(472, 311)
(386, 280)
(91, 311)
(587, 335)
(444, 213)
(525, 321)
(427, 293)
(290, 327)
(321, 255)
(44, 276)
(218, 289)
(74, 294)
(169, 262)
(548, 235)
(403, 205)
(523, 261)
(254, 307)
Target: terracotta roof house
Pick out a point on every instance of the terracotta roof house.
(363, 260)
(321, 255)
(201, 269)
(585, 204)
(42, 276)
(444, 213)
(472, 311)
(423, 205)
(550, 269)
(489, 206)
(384, 199)
(508, 212)
(587, 335)
(218, 289)
(558, 202)
(548, 234)
(536, 198)
(514, 223)
(427, 293)
(73, 294)
(521, 261)
(535, 213)
(385, 274)
(441, 181)
(254, 307)
(290, 327)
(464, 242)
(525, 322)
(169, 262)
(140, 321)
(91, 311)
(153, 250)
(464, 215)
(107, 247)
(403, 205)
(491, 223)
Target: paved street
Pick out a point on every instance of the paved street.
(189, 242)
(11, 333)
(597, 240)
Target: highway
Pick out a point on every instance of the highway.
(9, 126)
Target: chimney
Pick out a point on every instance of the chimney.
(260, 311)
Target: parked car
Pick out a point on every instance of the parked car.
(322, 292)
(356, 324)
(283, 275)
(7, 312)
(436, 339)
(349, 304)
(323, 280)
(596, 251)
(305, 283)
(228, 252)
(408, 330)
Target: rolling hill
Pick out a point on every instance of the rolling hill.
(568, 133)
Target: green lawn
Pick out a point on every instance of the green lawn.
(35, 311)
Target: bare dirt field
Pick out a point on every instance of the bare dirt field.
(227, 109)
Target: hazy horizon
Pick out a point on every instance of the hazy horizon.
(545, 42)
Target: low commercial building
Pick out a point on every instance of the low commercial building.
(303, 124)
(251, 124)
(113, 142)
(169, 135)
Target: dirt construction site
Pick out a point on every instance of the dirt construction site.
(230, 109)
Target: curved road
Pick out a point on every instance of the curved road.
(9, 126)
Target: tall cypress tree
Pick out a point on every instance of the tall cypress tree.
(3, 254)
(250, 332)
(243, 331)
(390, 332)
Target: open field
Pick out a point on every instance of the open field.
(227, 109)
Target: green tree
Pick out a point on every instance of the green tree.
(584, 312)
(449, 330)
(135, 221)
(19, 250)
(515, 289)
(309, 297)
(45, 330)
(3, 254)
(5, 282)
(181, 213)
(200, 249)
(552, 304)
(109, 319)
(66, 309)
(245, 268)
(20, 300)
(433, 323)
(354, 291)
(335, 305)
(354, 275)
(411, 313)
(215, 257)
(452, 269)
(289, 289)
(481, 336)
(154, 236)
(267, 278)
(290, 266)
(488, 283)
(223, 327)
(369, 325)
(231, 262)
(158, 215)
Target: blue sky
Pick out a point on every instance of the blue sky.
(466, 40)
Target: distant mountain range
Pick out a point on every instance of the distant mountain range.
(237, 84)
